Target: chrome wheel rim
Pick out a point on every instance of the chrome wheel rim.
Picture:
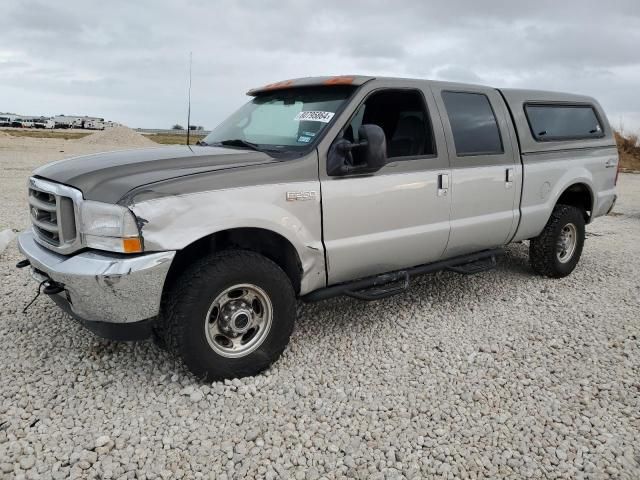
(567, 242)
(238, 320)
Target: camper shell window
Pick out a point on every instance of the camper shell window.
(566, 121)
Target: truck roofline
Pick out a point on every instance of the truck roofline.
(358, 80)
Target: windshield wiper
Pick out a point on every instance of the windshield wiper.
(237, 142)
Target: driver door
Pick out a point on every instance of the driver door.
(397, 217)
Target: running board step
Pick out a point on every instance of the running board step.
(392, 283)
(478, 266)
(386, 287)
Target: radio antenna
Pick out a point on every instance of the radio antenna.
(189, 98)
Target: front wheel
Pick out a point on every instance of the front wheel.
(556, 251)
(229, 315)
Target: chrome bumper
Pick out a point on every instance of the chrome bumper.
(102, 286)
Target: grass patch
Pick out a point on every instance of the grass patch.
(172, 139)
(42, 133)
(629, 151)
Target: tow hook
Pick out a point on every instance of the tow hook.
(51, 288)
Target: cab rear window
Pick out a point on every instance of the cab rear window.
(562, 121)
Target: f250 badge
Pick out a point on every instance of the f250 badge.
(301, 196)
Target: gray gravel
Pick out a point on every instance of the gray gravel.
(497, 375)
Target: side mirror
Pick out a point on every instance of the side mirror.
(367, 156)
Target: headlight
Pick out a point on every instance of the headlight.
(109, 227)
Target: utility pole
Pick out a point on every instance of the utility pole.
(189, 99)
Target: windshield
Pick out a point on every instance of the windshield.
(284, 120)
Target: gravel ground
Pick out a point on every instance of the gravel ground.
(497, 375)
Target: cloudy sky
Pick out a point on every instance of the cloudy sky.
(128, 61)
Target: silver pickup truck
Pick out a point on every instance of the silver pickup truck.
(316, 187)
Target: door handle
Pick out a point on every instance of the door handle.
(443, 184)
(508, 179)
(610, 163)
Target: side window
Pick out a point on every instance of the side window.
(562, 122)
(403, 117)
(473, 123)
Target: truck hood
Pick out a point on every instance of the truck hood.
(108, 176)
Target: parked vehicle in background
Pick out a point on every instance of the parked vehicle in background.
(77, 121)
(43, 122)
(316, 187)
(64, 121)
(59, 121)
(94, 125)
(23, 122)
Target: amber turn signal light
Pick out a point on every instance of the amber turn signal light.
(131, 245)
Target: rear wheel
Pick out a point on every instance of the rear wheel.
(230, 315)
(556, 251)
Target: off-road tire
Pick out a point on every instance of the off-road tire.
(181, 326)
(543, 249)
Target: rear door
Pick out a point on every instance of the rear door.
(485, 168)
(397, 217)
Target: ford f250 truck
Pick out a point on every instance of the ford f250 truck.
(317, 187)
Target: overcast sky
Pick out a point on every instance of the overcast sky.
(128, 60)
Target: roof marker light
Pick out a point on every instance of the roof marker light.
(339, 80)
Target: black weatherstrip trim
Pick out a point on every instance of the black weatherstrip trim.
(324, 246)
(520, 155)
(570, 149)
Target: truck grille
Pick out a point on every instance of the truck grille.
(53, 215)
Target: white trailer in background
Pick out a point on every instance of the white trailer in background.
(64, 121)
(96, 124)
(43, 122)
(57, 121)
(76, 121)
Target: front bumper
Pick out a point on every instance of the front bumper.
(101, 286)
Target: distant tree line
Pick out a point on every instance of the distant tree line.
(177, 126)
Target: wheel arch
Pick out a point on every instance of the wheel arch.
(266, 242)
(580, 195)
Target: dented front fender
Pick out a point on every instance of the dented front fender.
(291, 210)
